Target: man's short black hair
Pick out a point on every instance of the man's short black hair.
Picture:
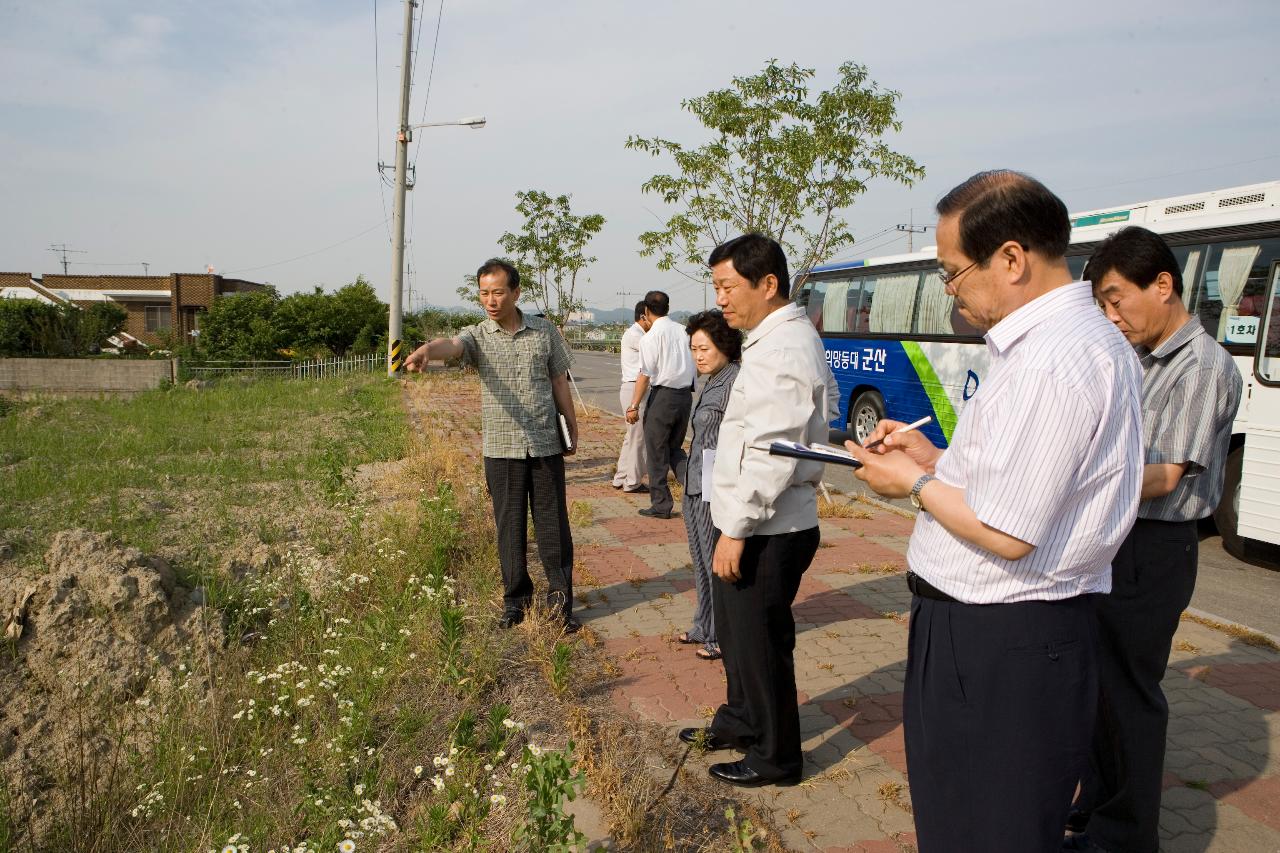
(1002, 205)
(1137, 254)
(494, 265)
(657, 302)
(713, 324)
(639, 309)
(755, 256)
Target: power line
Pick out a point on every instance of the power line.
(307, 254)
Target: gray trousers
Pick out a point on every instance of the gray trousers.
(697, 524)
(631, 459)
(517, 486)
(665, 422)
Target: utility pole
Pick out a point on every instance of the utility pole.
(912, 228)
(397, 222)
(146, 268)
(61, 249)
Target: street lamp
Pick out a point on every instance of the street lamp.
(396, 324)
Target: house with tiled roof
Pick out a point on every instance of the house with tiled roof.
(155, 305)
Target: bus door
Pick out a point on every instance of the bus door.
(1259, 487)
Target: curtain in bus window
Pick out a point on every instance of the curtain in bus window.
(1233, 274)
(833, 307)
(895, 296)
(1189, 268)
(934, 316)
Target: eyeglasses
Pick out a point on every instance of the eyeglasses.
(949, 277)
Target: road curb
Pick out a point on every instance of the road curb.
(1228, 623)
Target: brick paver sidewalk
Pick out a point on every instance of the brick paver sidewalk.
(635, 590)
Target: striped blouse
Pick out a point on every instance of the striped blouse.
(708, 412)
(1049, 450)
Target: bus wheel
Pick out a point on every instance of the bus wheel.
(867, 411)
(1227, 516)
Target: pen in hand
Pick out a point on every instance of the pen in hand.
(906, 428)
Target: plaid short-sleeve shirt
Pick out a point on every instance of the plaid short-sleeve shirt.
(517, 409)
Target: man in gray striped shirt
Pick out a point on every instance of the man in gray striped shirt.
(1020, 519)
(1190, 393)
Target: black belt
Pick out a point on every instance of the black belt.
(921, 587)
(672, 388)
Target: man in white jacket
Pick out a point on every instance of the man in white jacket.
(765, 511)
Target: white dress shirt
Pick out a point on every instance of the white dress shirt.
(781, 393)
(631, 352)
(665, 356)
(1049, 450)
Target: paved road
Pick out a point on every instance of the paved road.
(1228, 589)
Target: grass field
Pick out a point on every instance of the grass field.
(173, 470)
(363, 697)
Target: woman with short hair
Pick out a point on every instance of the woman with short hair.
(717, 349)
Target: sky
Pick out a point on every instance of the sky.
(245, 134)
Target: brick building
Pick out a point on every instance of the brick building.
(154, 304)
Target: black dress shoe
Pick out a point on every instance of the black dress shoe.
(571, 625)
(640, 489)
(650, 512)
(511, 618)
(710, 740)
(738, 773)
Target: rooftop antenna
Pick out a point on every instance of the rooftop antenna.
(61, 249)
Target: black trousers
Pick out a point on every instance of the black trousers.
(666, 420)
(1152, 578)
(757, 634)
(516, 486)
(997, 715)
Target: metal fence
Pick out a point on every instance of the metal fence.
(313, 369)
(599, 344)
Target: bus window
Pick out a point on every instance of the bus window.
(894, 301)
(1189, 258)
(1229, 298)
(933, 317)
(810, 297)
(835, 305)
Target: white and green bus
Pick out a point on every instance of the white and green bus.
(899, 349)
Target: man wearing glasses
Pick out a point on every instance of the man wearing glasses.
(1019, 520)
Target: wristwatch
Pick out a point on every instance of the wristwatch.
(915, 490)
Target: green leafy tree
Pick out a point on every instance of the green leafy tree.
(98, 322)
(243, 326)
(779, 162)
(360, 319)
(549, 251)
(351, 319)
(31, 327)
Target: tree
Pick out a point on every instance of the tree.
(780, 163)
(549, 252)
(31, 327)
(242, 325)
(333, 322)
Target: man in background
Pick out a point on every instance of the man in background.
(1190, 393)
(666, 381)
(524, 379)
(629, 475)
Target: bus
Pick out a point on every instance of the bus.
(899, 349)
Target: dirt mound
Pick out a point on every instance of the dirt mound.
(101, 626)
